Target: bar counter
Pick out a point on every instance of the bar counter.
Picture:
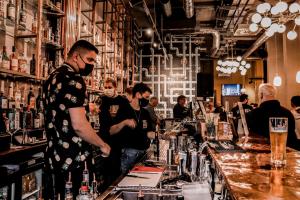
(249, 175)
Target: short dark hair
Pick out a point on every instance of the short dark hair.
(180, 97)
(141, 88)
(153, 98)
(295, 100)
(82, 45)
(243, 97)
(128, 90)
(112, 81)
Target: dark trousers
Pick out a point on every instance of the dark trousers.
(55, 183)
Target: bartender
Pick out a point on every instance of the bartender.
(69, 133)
(111, 103)
(132, 127)
(180, 111)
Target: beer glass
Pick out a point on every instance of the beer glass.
(278, 128)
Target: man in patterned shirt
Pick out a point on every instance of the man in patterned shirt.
(69, 133)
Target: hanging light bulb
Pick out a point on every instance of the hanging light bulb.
(275, 10)
(266, 22)
(274, 27)
(253, 27)
(248, 66)
(277, 81)
(262, 8)
(218, 68)
(297, 20)
(219, 62)
(239, 58)
(291, 35)
(269, 32)
(294, 7)
(243, 72)
(281, 28)
(256, 18)
(298, 77)
(282, 6)
(243, 62)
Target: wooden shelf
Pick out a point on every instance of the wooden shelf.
(51, 9)
(20, 74)
(29, 35)
(53, 45)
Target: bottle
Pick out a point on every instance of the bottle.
(94, 191)
(31, 99)
(14, 63)
(5, 59)
(140, 194)
(22, 19)
(3, 98)
(22, 63)
(28, 119)
(156, 145)
(85, 174)
(34, 24)
(36, 121)
(39, 100)
(2, 25)
(11, 12)
(11, 99)
(18, 97)
(32, 65)
(57, 37)
(68, 189)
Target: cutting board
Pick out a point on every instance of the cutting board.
(150, 179)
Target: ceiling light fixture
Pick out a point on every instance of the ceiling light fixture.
(149, 31)
(273, 18)
(298, 77)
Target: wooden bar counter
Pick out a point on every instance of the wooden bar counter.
(250, 176)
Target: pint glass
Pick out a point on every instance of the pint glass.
(278, 127)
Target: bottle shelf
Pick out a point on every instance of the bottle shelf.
(52, 45)
(51, 9)
(20, 74)
(30, 35)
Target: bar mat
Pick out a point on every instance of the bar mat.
(225, 147)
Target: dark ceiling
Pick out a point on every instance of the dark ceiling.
(229, 18)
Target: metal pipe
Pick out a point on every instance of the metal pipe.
(189, 8)
(166, 4)
(255, 45)
(216, 38)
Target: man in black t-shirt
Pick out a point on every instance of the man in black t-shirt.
(132, 126)
(180, 111)
(69, 133)
(111, 103)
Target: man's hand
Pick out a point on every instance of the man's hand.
(105, 148)
(130, 123)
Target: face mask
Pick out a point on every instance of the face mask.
(87, 69)
(143, 102)
(109, 92)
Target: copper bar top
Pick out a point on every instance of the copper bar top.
(250, 176)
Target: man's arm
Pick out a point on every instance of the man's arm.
(118, 127)
(84, 130)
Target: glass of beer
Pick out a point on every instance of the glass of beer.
(278, 127)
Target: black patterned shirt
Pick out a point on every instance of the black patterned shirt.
(63, 90)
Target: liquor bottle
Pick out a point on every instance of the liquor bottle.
(68, 189)
(28, 119)
(57, 37)
(156, 145)
(39, 100)
(5, 59)
(11, 100)
(32, 65)
(31, 99)
(34, 24)
(36, 121)
(3, 98)
(58, 4)
(94, 190)
(14, 63)
(18, 97)
(11, 12)
(22, 19)
(11, 119)
(2, 25)
(22, 63)
(85, 174)
(140, 194)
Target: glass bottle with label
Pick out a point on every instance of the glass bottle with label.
(31, 99)
(5, 59)
(11, 13)
(14, 62)
(34, 24)
(22, 63)
(3, 98)
(32, 65)
(22, 19)
(68, 189)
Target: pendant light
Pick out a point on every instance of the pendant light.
(298, 77)
(277, 81)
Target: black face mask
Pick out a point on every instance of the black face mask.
(143, 102)
(87, 69)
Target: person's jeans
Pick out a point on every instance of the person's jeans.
(129, 157)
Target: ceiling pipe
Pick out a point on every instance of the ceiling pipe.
(166, 4)
(255, 45)
(216, 38)
(189, 8)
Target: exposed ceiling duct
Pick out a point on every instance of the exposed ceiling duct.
(166, 4)
(255, 45)
(189, 8)
(216, 38)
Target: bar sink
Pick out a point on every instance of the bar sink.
(129, 195)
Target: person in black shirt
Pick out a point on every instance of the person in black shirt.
(258, 119)
(111, 103)
(69, 133)
(236, 111)
(132, 126)
(179, 110)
